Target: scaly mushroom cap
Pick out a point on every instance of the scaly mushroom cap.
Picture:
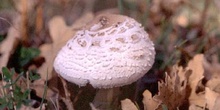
(112, 51)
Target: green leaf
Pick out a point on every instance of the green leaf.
(25, 94)
(26, 102)
(2, 100)
(10, 105)
(33, 76)
(7, 74)
(3, 106)
(22, 56)
(27, 54)
(18, 105)
(17, 93)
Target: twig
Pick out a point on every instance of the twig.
(66, 100)
(77, 96)
(9, 23)
(12, 94)
(2, 88)
(28, 87)
(54, 104)
(57, 102)
(45, 92)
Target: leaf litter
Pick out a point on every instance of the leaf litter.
(194, 87)
(183, 88)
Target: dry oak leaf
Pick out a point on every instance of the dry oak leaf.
(60, 34)
(214, 84)
(149, 102)
(212, 99)
(8, 45)
(213, 68)
(172, 91)
(196, 65)
(194, 107)
(217, 104)
(127, 104)
(212, 73)
(39, 87)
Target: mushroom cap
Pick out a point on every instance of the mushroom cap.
(112, 51)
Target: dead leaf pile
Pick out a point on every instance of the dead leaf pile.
(60, 33)
(195, 87)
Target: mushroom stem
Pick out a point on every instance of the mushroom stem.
(106, 98)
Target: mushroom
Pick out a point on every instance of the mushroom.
(112, 51)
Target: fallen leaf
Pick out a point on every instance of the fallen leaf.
(217, 104)
(172, 91)
(194, 107)
(149, 102)
(212, 99)
(39, 87)
(127, 104)
(212, 73)
(214, 84)
(196, 65)
(7, 46)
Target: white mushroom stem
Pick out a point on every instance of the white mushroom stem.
(106, 98)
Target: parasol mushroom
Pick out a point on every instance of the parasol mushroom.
(111, 51)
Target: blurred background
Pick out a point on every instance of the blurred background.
(32, 32)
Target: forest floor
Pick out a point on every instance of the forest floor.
(185, 74)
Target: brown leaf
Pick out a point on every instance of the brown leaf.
(194, 107)
(127, 104)
(196, 65)
(212, 67)
(8, 45)
(172, 91)
(212, 73)
(60, 34)
(212, 99)
(217, 103)
(214, 84)
(39, 87)
(149, 102)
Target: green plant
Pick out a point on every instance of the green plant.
(22, 56)
(13, 96)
